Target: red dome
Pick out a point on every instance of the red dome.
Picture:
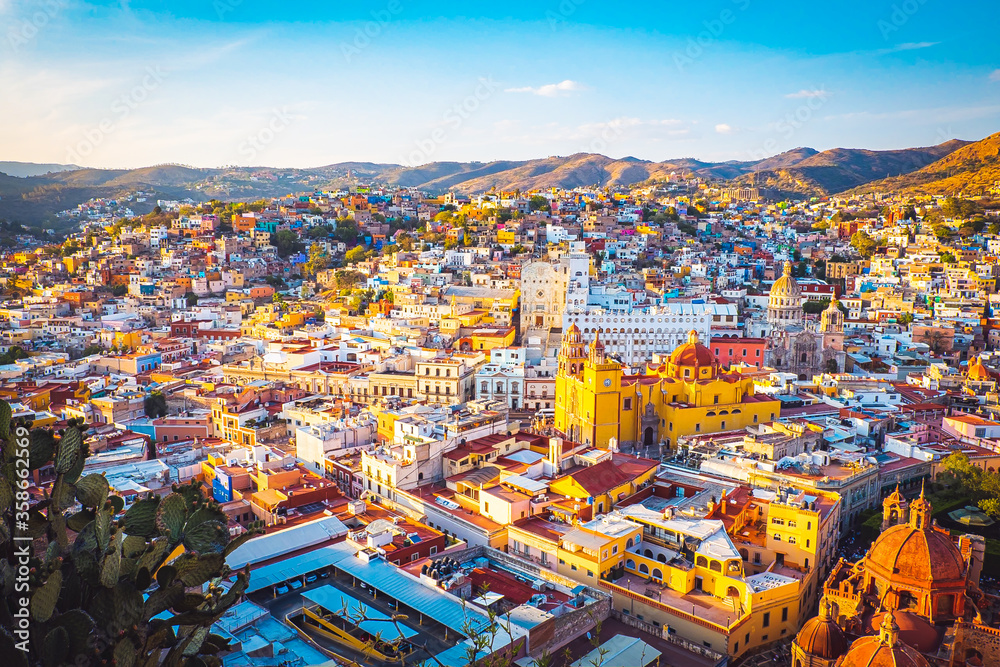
(910, 555)
(914, 630)
(693, 353)
(822, 638)
(883, 650)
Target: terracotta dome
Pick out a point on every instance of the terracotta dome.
(883, 650)
(693, 353)
(821, 637)
(786, 285)
(916, 553)
(914, 630)
(977, 372)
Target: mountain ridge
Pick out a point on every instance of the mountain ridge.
(799, 171)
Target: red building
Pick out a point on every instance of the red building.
(733, 351)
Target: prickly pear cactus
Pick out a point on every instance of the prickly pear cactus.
(82, 578)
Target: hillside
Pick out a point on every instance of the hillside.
(951, 166)
(973, 169)
(841, 169)
(25, 169)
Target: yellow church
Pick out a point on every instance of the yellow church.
(596, 401)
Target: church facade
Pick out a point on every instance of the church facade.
(794, 347)
(597, 403)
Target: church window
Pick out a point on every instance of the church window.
(627, 404)
(716, 399)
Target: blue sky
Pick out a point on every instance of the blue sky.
(214, 82)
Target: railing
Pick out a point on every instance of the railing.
(715, 627)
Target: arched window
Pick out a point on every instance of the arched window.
(661, 558)
(701, 561)
(628, 545)
(643, 568)
(732, 592)
(647, 553)
(715, 566)
(630, 564)
(657, 574)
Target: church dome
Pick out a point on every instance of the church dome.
(915, 553)
(786, 286)
(914, 630)
(883, 650)
(977, 372)
(693, 353)
(821, 637)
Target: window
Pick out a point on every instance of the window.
(434, 550)
(573, 567)
(791, 539)
(792, 523)
(777, 537)
(627, 404)
(697, 428)
(590, 574)
(767, 619)
(716, 400)
(784, 614)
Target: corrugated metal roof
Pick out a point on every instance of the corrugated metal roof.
(375, 622)
(432, 602)
(272, 545)
(269, 575)
(620, 651)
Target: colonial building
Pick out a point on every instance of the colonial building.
(597, 403)
(793, 347)
(914, 600)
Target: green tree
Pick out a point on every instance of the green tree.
(863, 243)
(539, 203)
(287, 243)
(318, 260)
(191, 299)
(346, 231)
(155, 405)
(92, 349)
(355, 255)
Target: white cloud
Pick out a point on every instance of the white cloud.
(995, 75)
(906, 46)
(808, 94)
(551, 89)
(723, 128)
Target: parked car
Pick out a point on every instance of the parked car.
(296, 584)
(282, 589)
(310, 578)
